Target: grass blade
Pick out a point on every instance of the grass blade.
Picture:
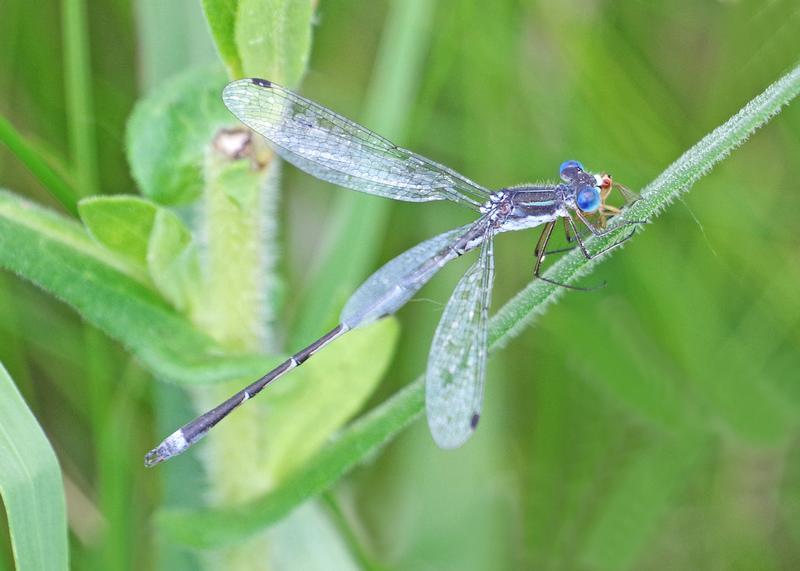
(367, 435)
(677, 179)
(30, 484)
(52, 181)
(80, 112)
(361, 220)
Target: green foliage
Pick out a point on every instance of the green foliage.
(258, 38)
(221, 17)
(274, 38)
(668, 186)
(30, 485)
(168, 133)
(215, 528)
(651, 425)
(640, 498)
(122, 224)
(308, 410)
(172, 261)
(362, 219)
(58, 256)
(40, 165)
(152, 238)
(396, 413)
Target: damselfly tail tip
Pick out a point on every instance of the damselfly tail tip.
(172, 445)
(155, 456)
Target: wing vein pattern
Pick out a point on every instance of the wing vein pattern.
(457, 361)
(335, 149)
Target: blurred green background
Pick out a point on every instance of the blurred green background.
(650, 425)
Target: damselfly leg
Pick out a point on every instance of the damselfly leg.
(541, 252)
(573, 234)
(601, 232)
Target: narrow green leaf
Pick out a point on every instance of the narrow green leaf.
(80, 105)
(362, 220)
(173, 261)
(59, 256)
(210, 527)
(38, 164)
(169, 130)
(221, 16)
(274, 38)
(122, 224)
(367, 435)
(30, 484)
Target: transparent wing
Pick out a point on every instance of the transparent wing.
(337, 150)
(457, 361)
(388, 289)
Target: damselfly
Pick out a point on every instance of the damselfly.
(335, 149)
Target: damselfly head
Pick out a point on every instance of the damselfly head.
(585, 186)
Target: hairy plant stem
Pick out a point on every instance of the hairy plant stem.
(238, 241)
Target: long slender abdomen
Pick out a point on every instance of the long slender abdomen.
(180, 440)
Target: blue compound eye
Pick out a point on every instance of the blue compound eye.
(588, 198)
(568, 165)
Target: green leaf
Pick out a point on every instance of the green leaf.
(173, 261)
(324, 394)
(122, 224)
(274, 38)
(30, 484)
(221, 16)
(168, 133)
(150, 237)
(212, 527)
(60, 257)
(218, 527)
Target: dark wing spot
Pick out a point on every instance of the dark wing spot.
(473, 423)
(261, 82)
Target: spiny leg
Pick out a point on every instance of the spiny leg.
(567, 232)
(598, 232)
(569, 237)
(540, 252)
(541, 245)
